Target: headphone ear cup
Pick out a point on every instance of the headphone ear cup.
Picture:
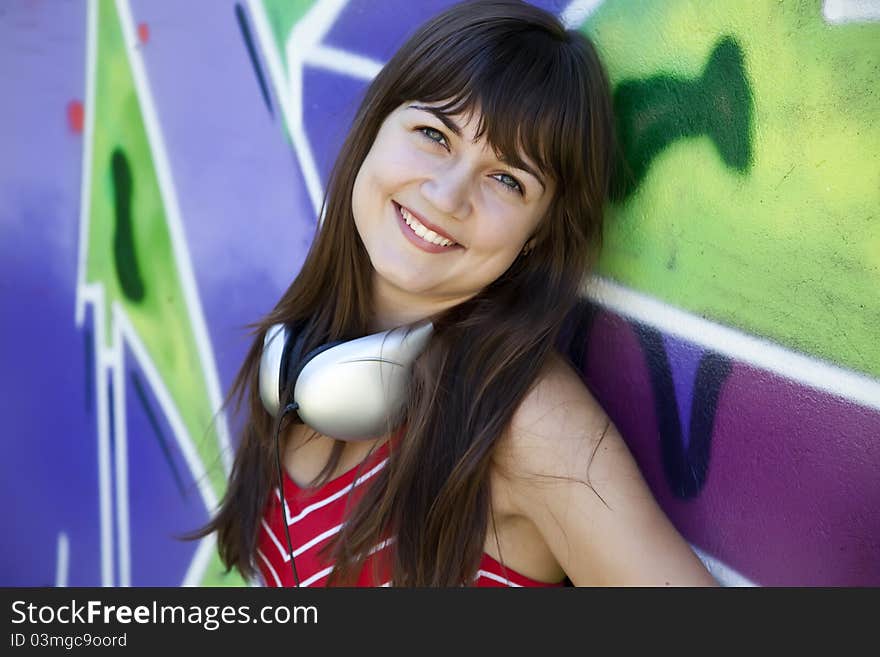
(293, 360)
(282, 349)
(279, 371)
(295, 363)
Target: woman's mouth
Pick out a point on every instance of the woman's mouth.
(420, 235)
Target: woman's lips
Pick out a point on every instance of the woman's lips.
(418, 241)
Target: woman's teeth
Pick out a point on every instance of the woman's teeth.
(421, 231)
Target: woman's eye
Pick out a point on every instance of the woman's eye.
(434, 135)
(510, 182)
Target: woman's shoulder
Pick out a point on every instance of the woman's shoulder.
(563, 466)
(555, 425)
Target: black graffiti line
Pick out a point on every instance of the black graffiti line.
(157, 431)
(686, 469)
(252, 53)
(111, 481)
(712, 372)
(574, 336)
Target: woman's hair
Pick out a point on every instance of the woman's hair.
(540, 91)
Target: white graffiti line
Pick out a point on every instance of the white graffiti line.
(340, 61)
(302, 48)
(303, 38)
(850, 11)
(199, 564)
(289, 94)
(129, 335)
(168, 192)
(577, 11)
(94, 295)
(723, 574)
(271, 55)
(109, 363)
(85, 196)
(62, 560)
(120, 443)
(288, 84)
(762, 353)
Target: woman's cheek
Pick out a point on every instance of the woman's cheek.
(413, 163)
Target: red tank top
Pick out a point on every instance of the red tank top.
(314, 517)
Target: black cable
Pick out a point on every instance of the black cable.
(290, 408)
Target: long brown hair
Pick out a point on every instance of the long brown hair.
(540, 91)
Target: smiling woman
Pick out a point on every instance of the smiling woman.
(467, 197)
(440, 213)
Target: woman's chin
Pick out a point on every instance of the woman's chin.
(411, 288)
(407, 285)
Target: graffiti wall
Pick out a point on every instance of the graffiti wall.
(162, 168)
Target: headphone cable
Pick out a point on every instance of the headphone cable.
(290, 408)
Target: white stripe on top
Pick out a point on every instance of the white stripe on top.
(320, 537)
(318, 575)
(269, 566)
(497, 578)
(326, 571)
(330, 498)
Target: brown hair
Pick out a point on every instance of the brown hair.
(540, 91)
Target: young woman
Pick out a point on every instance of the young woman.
(469, 193)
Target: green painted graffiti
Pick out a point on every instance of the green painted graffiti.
(757, 186)
(131, 253)
(283, 16)
(124, 252)
(654, 113)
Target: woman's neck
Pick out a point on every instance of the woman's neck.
(394, 307)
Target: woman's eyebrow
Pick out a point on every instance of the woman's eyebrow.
(525, 167)
(449, 123)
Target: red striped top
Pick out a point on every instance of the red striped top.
(315, 516)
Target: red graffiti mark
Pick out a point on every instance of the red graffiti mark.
(75, 116)
(143, 32)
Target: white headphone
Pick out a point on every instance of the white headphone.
(349, 390)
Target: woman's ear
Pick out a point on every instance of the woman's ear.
(528, 246)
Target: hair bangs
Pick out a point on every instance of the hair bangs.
(519, 88)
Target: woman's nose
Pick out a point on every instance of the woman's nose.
(449, 190)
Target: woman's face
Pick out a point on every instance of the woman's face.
(424, 175)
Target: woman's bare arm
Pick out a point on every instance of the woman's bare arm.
(568, 470)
